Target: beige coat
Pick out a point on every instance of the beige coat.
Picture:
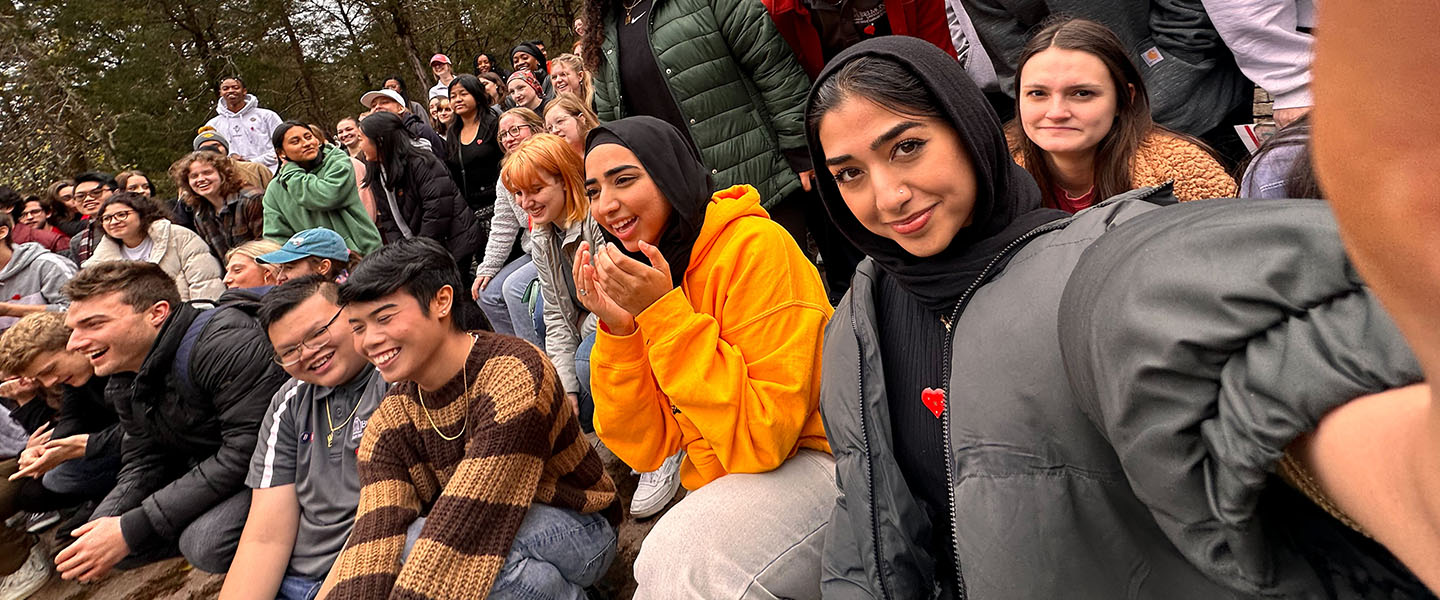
(179, 252)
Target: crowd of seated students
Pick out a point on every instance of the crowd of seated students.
(999, 387)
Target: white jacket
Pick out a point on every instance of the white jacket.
(248, 131)
(179, 252)
(1270, 44)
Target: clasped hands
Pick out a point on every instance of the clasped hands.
(616, 287)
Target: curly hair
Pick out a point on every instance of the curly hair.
(230, 182)
(33, 335)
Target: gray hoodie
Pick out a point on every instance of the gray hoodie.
(34, 276)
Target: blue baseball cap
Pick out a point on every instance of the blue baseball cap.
(318, 242)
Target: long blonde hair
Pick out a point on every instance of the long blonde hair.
(587, 82)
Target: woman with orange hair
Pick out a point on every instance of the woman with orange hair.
(548, 179)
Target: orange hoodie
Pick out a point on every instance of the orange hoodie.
(726, 366)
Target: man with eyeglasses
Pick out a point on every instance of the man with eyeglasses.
(92, 188)
(303, 472)
(190, 384)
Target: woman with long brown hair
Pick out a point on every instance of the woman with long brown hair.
(1084, 130)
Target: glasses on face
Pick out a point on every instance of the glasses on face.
(34, 212)
(315, 341)
(93, 193)
(513, 131)
(116, 217)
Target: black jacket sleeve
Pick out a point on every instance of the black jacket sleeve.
(1202, 340)
(438, 197)
(231, 366)
(143, 465)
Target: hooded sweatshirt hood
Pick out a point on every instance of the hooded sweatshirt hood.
(224, 110)
(1007, 202)
(672, 161)
(34, 275)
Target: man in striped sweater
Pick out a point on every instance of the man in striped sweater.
(475, 479)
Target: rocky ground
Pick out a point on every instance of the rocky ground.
(175, 580)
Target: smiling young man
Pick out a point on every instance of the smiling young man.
(476, 479)
(244, 124)
(392, 102)
(303, 471)
(80, 461)
(92, 188)
(190, 385)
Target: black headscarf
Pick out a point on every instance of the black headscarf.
(1007, 201)
(673, 162)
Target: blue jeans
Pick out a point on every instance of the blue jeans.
(556, 554)
(294, 587)
(582, 372)
(504, 300)
(90, 477)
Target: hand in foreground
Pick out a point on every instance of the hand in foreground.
(100, 547)
(588, 291)
(480, 284)
(38, 460)
(633, 285)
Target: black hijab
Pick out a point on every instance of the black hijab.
(674, 163)
(1007, 201)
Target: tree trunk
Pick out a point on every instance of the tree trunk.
(404, 32)
(316, 110)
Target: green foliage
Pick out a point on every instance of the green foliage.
(121, 84)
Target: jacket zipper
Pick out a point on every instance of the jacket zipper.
(949, 400)
(869, 469)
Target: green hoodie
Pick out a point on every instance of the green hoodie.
(298, 199)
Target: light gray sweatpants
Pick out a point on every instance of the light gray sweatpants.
(743, 536)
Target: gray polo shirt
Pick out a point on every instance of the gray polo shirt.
(292, 450)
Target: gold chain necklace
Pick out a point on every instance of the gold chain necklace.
(464, 376)
(628, 8)
(330, 437)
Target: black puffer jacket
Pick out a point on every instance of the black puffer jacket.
(191, 416)
(430, 205)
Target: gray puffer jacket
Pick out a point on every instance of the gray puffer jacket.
(1043, 506)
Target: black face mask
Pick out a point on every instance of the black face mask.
(1007, 201)
(673, 162)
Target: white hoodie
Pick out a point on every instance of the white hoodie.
(248, 131)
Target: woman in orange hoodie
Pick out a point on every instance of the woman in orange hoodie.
(711, 326)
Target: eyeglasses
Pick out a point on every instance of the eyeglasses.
(94, 192)
(116, 217)
(315, 341)
(34, 212)
(513, 131)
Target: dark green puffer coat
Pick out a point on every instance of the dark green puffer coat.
(736, 81)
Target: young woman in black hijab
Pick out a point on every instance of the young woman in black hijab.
(711, 323)
(994, 440)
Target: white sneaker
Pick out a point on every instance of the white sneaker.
(657, 487)
(30, 577)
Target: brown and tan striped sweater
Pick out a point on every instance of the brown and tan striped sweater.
(522, 445)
